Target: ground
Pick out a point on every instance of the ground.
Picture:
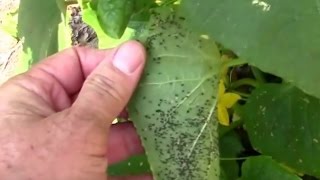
(9, 46)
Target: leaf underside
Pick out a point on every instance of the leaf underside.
(173, 107)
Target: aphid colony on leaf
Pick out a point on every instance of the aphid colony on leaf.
(176, 116)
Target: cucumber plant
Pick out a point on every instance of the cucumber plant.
(230, 89)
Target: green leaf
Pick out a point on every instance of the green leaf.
(114, 16)
(283, 122)
(230, 147)
(135, 165)
(89, 16)
(38, 25)
(142, 5)
(141, 13)
(278, 36)
(173, 107)
(264, 168)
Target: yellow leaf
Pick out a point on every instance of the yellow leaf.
(223, 116)
(229, 99)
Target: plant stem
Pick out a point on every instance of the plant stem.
(258, 74)
(168, 2)
(245, 81)
(234, 62)
(242, 94)
(232, 159)
(223, 131)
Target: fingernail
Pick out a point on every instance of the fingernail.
(128, 57)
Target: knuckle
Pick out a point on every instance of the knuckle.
(105, 86)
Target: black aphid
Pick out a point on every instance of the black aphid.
(182, 18)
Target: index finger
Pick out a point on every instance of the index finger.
(71, 66)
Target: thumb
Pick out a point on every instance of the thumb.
(109, 87)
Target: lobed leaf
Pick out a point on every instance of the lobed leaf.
(278, 36)
(283, 122)
(173, 107)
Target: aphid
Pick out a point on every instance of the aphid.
(182, 35)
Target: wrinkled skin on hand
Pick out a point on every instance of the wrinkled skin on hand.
(55, 120)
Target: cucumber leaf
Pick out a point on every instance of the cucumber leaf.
(283, 122)
(114, 16)
(38, 23)
(277, 36)
(265, 168)
(90, 17)
(173, 107)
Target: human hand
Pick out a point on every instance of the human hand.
(55, 120)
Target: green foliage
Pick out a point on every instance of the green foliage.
(230, 147)
(38, 29)
(90, 17)
(174, 106)
(277, 36)
(264, 168)
(283, 122)
(114, 16)
(178, 129)
(133, 166)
